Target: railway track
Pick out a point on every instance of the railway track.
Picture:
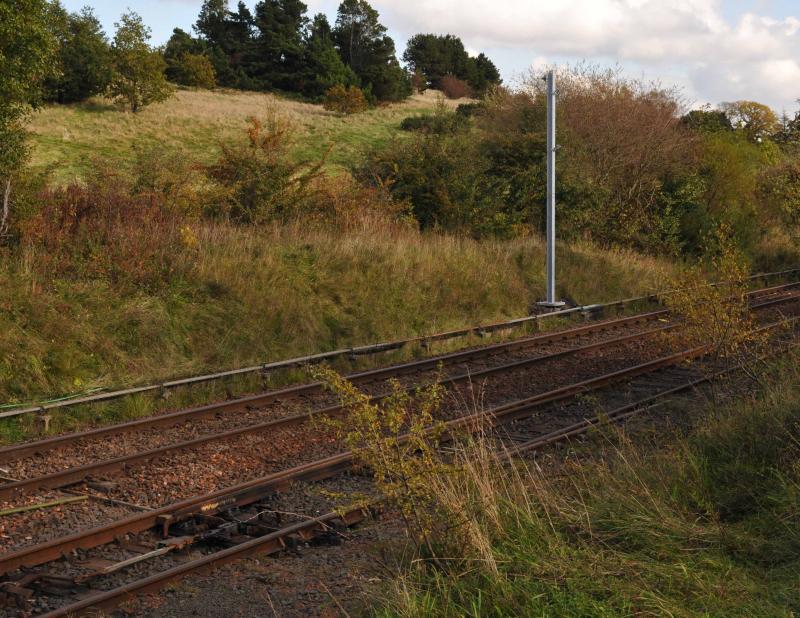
(212, 511)
(288, 440)
(234, 510)
(41, 465)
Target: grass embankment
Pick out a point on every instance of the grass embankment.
(194, 122)
(704, 525)
(252, 296)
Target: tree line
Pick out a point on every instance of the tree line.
(276, 46)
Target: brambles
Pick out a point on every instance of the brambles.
(397, 441)
(343, 100)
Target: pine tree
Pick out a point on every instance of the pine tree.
(364, 46)
(278, 52)
(324, 67)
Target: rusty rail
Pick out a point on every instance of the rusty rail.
(250, 491)
(29, 448)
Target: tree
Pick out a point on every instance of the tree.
(707, 120)
(756, 120)
(363, 46)
(436, 56)
(324, 67)
(138, 77)
(84, 58)
(27, 46)
(482, 74)
(229, 41)
(788, 135)
(278, 48)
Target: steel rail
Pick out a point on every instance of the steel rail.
(69, 476)
(170, 419)
(355, 351)
(307, 530)
(255, 489)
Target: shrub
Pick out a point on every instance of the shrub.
(195, 70)
(260, 181)
(454, 88)
(104, 230)
(439, 124)
(419, 82)
(345, 100)
(468, 110)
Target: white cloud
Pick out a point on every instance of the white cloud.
(753, 56)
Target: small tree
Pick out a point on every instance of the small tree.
(345, 100)
(27, 45)
(138, 78)
(756, 120)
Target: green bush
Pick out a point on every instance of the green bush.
(260, 181)
(195, 70)
(343, 100)
(435, 123)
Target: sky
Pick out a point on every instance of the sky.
(712, 50)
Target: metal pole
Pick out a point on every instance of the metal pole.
(551, 301)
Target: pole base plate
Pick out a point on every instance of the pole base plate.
(556, 304)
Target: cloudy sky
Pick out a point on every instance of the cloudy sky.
(715, 50)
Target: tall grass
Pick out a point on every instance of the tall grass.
(699, 525)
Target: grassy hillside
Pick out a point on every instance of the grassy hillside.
(69, 136)
(256, 295)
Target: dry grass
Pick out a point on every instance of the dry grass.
(69, 136)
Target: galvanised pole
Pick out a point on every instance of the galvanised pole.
(551, 301)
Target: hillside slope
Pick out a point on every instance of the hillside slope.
(195, 121)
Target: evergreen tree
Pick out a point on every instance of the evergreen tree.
(229, 39)
(324, 67)
(364, 46)
(180, 44)
(436, 56)
(278, 52)
(482, 74)
(138, 77)
(84, 57)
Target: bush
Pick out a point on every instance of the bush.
(260, 181)
(468, 110)
(195, 70)
(345, 100)
(454, 88)
(439, 124)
